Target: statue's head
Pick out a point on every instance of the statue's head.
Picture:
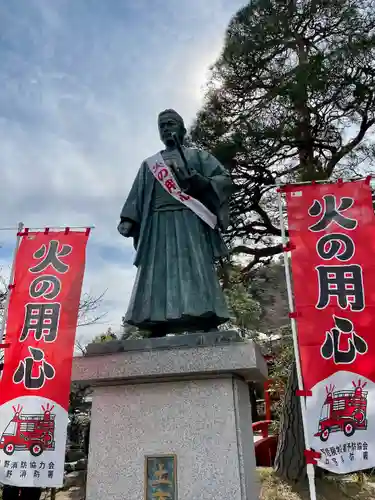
(170, 121)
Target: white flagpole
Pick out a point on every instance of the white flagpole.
(11, 279)
(310, 467)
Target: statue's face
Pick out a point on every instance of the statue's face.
(168, 124)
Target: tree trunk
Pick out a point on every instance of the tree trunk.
(290, 461)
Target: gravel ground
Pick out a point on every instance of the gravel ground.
(73, 494)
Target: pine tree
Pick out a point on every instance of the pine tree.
(291, 98)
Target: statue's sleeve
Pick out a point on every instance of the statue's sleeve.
(219, 188)
(132, 210)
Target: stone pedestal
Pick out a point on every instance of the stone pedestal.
(186, 396)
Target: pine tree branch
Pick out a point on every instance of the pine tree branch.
(257, 252)
(348, 148)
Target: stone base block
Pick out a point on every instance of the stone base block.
(191, 402)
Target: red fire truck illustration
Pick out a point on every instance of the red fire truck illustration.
(32, 432)
(344, 411)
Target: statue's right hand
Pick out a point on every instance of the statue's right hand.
(124, 227)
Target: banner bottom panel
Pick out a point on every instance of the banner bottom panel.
(32, 442)
(341, 422)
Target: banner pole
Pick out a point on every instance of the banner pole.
(13, 228)
(11, 279)
(309, 467)
(327, 181)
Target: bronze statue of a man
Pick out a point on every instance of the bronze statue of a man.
(175, 212)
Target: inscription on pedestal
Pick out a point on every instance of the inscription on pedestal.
(161, 477)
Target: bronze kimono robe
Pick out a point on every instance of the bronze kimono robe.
(176, 281)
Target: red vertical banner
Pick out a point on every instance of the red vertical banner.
(35, 384)
(332, 242)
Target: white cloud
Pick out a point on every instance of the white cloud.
(118, 281)
(82, 83)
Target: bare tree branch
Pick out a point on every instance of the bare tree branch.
(348, 148)
(88, 307)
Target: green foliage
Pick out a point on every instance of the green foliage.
(260, 294)
(127, 332)
(105, 337)
(245, 311)
(279, 370)
(79, 413)
(267, 285)
(291, 97)
(131, 332)
(285, 356)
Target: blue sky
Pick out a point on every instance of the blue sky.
(82, 82)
